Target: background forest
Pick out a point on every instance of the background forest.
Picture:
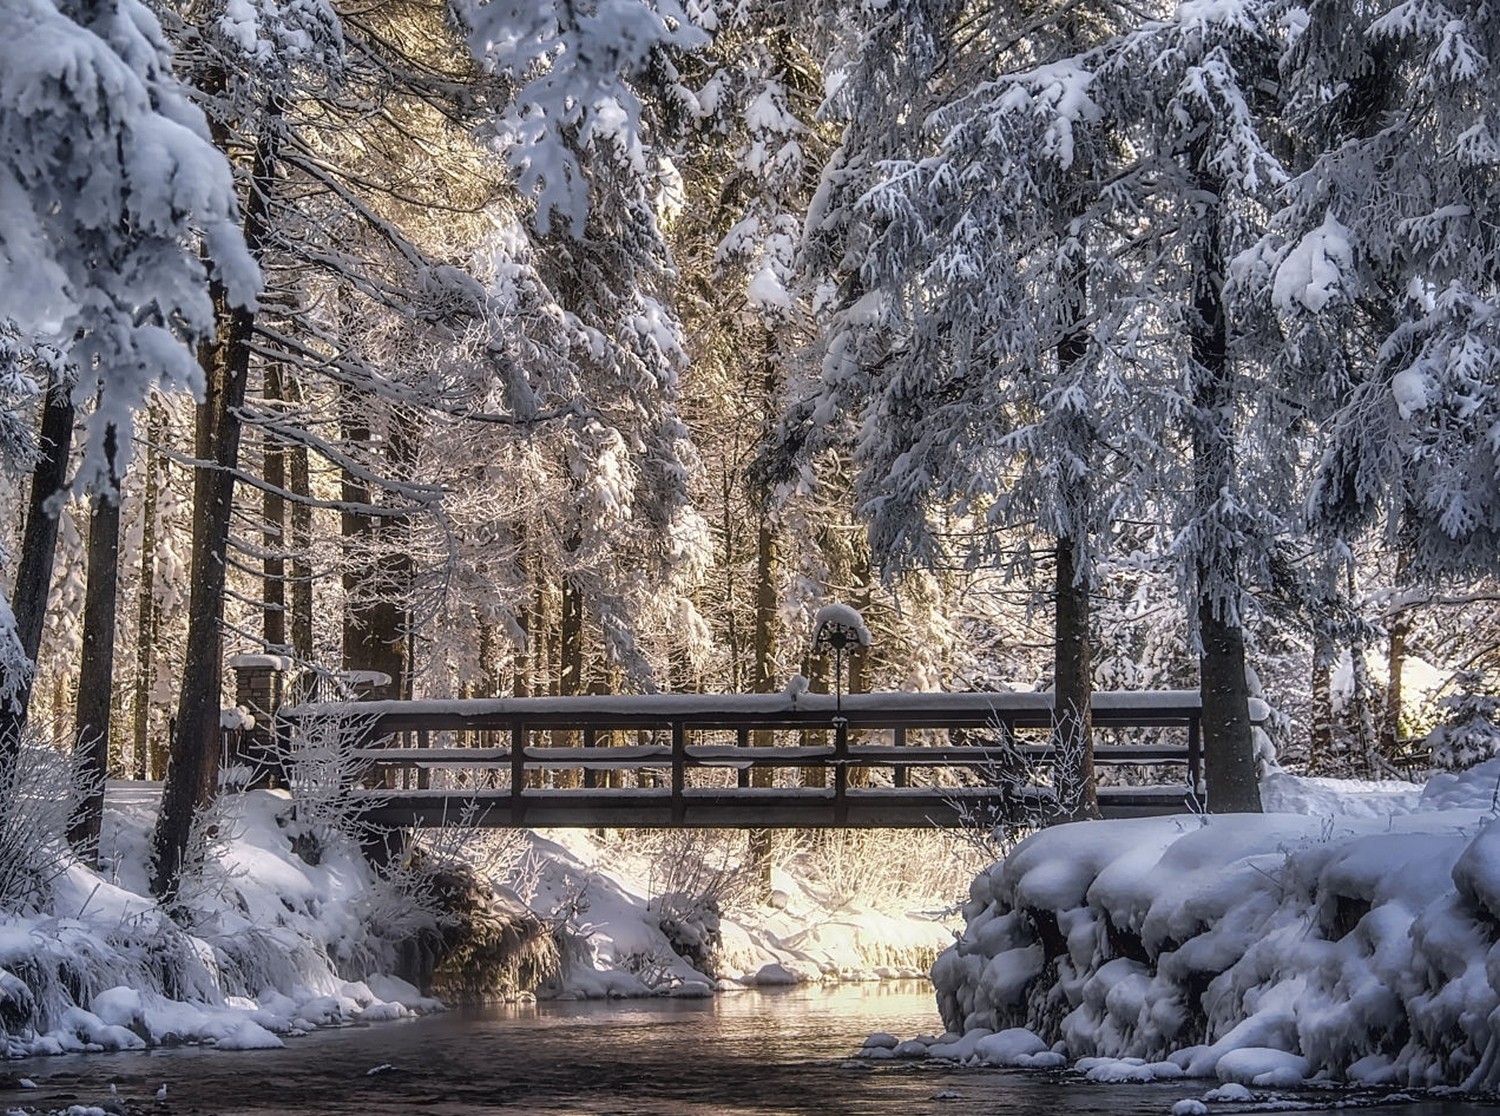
(592, 347)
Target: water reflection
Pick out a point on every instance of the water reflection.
(752, 1053)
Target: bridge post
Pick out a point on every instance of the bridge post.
(840, 772)
(1195, 756)
(518, 774)
(258, 690)
(679, 772)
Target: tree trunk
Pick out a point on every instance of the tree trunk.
(300, 528)
(1072, 684)
(96, 673)
(148, 613)
(273, 513)
(1400, 631)
(34, 575)
(1072, 664)
(192, 766)
(764, 646)
(1390, 722)
(374, 621)
(570, 677)
(1320, 749)
(1228, 747)
(526, 618)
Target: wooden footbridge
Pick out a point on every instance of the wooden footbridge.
(886, 760)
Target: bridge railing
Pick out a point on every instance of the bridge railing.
(691, 758)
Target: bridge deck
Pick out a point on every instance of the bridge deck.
(557, 761)
(740, 808)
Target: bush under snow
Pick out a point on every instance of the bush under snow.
(1259, 949)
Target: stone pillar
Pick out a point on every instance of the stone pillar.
(258, 683)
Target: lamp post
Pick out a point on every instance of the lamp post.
(837, 629)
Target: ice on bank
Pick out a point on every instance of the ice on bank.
(1353, 938)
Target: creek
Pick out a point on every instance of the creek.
(771, 1052)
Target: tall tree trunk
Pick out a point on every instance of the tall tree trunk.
(1073, 684)
(299, 526)
(192, 766)
(571, 662)
(148, 612)
(526, 618)
(1320, 749)
(1400, 631)
(273, 513)
(374, 621)
(34, 575)
(96, 673)
(1228, 747)
(1072, 665)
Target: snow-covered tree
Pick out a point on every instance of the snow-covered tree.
(115, 213)
(1382, 268)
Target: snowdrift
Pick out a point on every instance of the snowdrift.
(1263, 950)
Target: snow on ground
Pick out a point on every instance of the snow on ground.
(1348, 934)
(621, 948)
(270, 942)
(268, 935)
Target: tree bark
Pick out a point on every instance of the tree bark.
(273, 513)
(1073, 683)
(1320, 749)
(148, 614)
(1400, 631)
(374, 620)
(38, 551)
(192, 765)
(96, 673)
(299, 525)
(571, 662)
(1072, 664)
(1228, 747)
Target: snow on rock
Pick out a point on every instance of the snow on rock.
(1354, 943)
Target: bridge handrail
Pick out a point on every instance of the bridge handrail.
(960, 709)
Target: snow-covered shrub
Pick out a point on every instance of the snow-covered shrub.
(871, 868)
(1470, 732)
(39, 799)
(694, 874)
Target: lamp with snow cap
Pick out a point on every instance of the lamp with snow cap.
(837, 629)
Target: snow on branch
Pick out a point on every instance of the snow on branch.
(576, 64)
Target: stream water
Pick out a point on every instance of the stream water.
(755, 1052)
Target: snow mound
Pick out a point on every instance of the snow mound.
(1354, 943)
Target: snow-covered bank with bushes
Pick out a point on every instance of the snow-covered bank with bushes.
(267, 943)
(285, 929)
(1352, 940)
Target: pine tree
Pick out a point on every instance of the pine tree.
(108, 190)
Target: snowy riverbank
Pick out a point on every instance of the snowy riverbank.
(272, 940)
(1352, 938)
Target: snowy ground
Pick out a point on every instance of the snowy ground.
(271, 937)
(1349, 934)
